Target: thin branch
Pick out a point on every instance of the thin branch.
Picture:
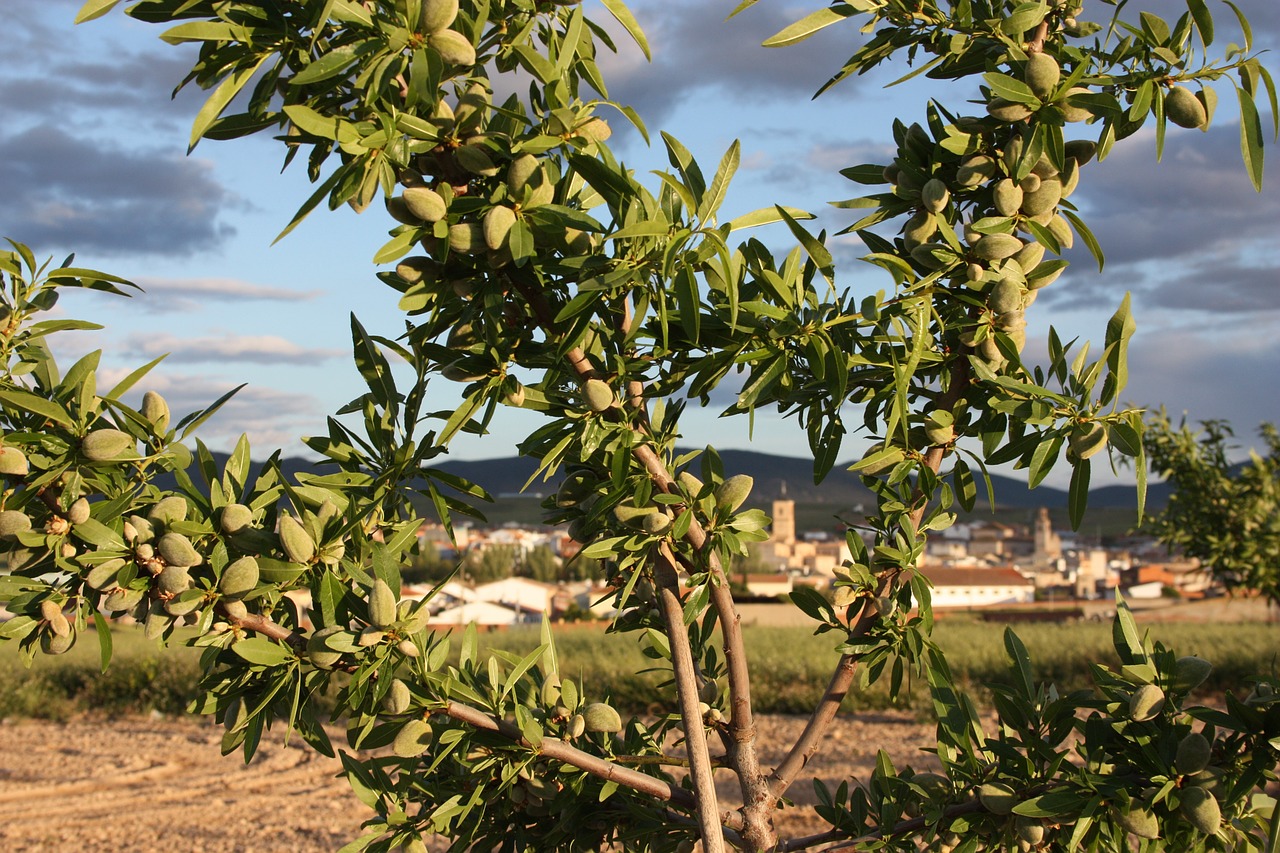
(266, 627)
(810, 740)
(742, 753)
(560, 751)
(550, 747)
(695, 733)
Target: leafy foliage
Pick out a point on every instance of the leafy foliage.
(1223, 514)
(538, 271)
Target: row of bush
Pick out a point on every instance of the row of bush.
(789, 666)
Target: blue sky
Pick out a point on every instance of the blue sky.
(93, 160)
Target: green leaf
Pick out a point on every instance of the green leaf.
(103, 629)
(192, 422)
(1120, 329)
(1250, 137)
(1244, 26)
(818, 252)
(715, 194)
(1020, 661)
(808, 25)
(1043, 460)
(321, 125)
(644, 228)
(811, 602)
(217, 102)
(329, 65)
(129, 381)
(1025, 16)
(1125, 636)
(94, 9)
(1090, 242)
(397, 247)
(1078, 493)
(1010, 89)
(29, 402)
(767, 216)
(1051, 804)
(262, 652)
(620, 11)
(200, 31)
(1203, 20)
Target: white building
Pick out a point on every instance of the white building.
(979, 587)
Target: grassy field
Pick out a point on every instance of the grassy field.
(789, 665)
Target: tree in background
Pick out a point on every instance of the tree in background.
(1225, 514)
(537, 271)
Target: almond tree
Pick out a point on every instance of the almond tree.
(1220, 513)
(537, 271)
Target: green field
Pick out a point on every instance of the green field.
(790, 666)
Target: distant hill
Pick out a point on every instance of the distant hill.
(776, 477)
(791, 477)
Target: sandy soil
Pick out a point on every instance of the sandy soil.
(142, 785)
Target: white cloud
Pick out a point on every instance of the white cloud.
(261, 349)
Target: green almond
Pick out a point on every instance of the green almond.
(995, 247)
(1008, 111)
(168, 510)
(1184, 109)
(1201, 809)
(382, 604)
(239, 578)
(733, 492)
(174, 579)
(103, 445)
(1006, 197)
(438, 14)
(598, 395)
(1194, 752)
(934, 195)
(1005, 296)
(1146, 702)
(397, 699)
(1072, 112)
(997, 798)
(295, 541)
(13, 522)
(413, 739)
(1189, 672)
(156, 410)
(466, 238)
(78, 512)
(519, 172)
(498, 222)
(1044, 199)
(454, 48)
(424, 204)
(13, 462)
(1042, 74)
(1141, 822)
(235, 518)
(1085, 441)
(601, 717)
(177, 550)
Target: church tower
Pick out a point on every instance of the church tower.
(784, 522)
(1048, 544)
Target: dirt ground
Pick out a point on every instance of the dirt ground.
(144, 785)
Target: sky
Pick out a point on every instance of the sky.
(93, 160)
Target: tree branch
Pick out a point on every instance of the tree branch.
(560, 751)
(695, 733)
(742, 753)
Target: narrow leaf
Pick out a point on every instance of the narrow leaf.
(808, 25)
(620, 11)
